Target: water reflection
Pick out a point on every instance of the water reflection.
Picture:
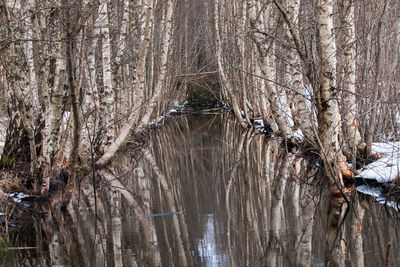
(204, 193)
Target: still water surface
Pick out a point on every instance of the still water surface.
(202, 192)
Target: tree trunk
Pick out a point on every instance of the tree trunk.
(225, 83)
(350, 125)
(160, 82)
(327, 104)
(301, 113)
(268, 66)
(107, 101)
(329, 126)
(377, 80)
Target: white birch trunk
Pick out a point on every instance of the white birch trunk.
(91, 101)
(54, 111)
(349, 77)
(108, 99)
(300, 112)
(267, 66)
(225, 83)
(242, 46)
(33, 85)
(328, 112)
(123, 32)
(112, 149)
(119, 80)
(329, 126)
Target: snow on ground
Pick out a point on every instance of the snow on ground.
(387, 168)
(383, 170)
(259, 125)
(18, 197)
(298, 134)
(377, 193)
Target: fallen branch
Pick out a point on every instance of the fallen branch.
(196, 74)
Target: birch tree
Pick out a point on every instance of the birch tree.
(377, 82)
(301, 113)
(159, 83)
(230, 93)
(329, 123)
(348, 32)
(107, 100)
(267, 63)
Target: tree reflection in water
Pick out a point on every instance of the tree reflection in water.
(245, 200)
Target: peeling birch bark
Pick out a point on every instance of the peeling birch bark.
(329, 126)
(327, 105)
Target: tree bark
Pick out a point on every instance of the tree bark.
(268, 66)
(107, 101)
(296, 89)
(225, 83)
(350, 124)
(377, 80)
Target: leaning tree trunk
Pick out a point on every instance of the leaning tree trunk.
(140, 88)
(225, 83)
(159, 83)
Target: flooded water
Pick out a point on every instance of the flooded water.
(202, 192)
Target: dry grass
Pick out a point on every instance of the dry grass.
(10, 182)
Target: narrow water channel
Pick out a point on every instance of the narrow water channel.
(201, 192)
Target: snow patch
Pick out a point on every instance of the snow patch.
(298, 134)
(372, 191)
(385, 169)
(259, 125)
(18, 197)
(377, 193)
